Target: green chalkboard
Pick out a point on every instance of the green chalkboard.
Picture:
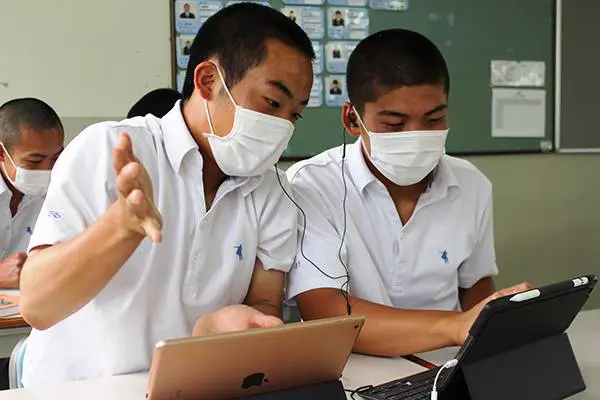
(470, 33)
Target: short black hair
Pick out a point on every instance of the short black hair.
(334, 81)
(391, 59)
(26, 112)
(157, 102)
(237, 35)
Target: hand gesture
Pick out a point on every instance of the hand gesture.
(135, 192)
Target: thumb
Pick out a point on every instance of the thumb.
(264, 321)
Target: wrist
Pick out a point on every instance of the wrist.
(451, 326)
(118, 224)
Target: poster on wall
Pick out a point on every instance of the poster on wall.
(311, 19)
(316, 93)
(347, 23)
(183, 46)
(304, 2)
(389, 5)
(518, 113)
(335, 90)
(348, 3)
(318, 62)
(337, 54)
(190, 15)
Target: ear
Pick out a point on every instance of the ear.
(350, 120)
(206, 80)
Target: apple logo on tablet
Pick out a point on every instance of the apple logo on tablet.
(256, 379)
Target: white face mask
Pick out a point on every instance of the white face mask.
(27, 181)
(406, 158)
(254, 144)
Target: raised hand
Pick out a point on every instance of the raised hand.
(136, 198)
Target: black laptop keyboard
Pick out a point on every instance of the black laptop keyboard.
(415, 387)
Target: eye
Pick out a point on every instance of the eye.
(395, 127)
(34, 162)
(272, 103)
(436, 120)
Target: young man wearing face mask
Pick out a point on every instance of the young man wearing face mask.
(31, 138)
(199, 183)
(418, 239)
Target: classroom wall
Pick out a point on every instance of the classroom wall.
(96, 58)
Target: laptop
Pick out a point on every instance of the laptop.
(246, 363)
(516, 349)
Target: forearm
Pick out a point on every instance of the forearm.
(268, 309)
(387, 331)
(61, 279)
(395, 332)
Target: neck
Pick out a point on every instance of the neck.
(197, 123)
(398, 193)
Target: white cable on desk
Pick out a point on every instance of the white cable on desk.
(449, 364)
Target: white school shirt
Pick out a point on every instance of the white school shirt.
(16, 231)
(447, 244)
(204, 262)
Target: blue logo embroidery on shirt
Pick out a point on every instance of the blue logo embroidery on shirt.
(444, 256)
(29, 230)
(55, 214)
(239, 252)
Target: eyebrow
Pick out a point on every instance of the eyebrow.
(284, 89)
(390, 113)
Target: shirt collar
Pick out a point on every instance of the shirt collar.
(176, 136)
(3, 185)
(359, 171)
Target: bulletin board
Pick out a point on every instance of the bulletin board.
(500, 55)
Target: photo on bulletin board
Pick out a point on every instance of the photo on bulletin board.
(311, 19)
(316, 92)
(318, 61)
(335, 90)
(347, 23)
(180, 79)
(183, 47)
(187, 17)
(337, 55)
(261, 2)
(348, 3)
(304, 2)
(389, 5)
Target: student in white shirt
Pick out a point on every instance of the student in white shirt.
(416, 236)
(199, 183)
(31, 138)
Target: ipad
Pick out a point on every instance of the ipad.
(245, 363)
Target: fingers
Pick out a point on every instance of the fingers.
(123, 152)
(144, 210)
(264, 321)
(521, 287)
(127, 178)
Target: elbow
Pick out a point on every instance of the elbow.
(30, 307)
(32, 314)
